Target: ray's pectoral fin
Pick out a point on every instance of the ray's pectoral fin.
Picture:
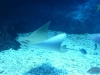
(38, 35)
(53, 43)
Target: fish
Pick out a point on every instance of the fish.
(53, 43)
(40, 39)
(38, 35)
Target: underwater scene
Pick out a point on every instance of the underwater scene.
(49, 37)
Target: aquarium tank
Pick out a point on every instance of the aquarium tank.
(49, 37)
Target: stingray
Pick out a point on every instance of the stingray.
(39, 39)
(53, 43)
(38, 35)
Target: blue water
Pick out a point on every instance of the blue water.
(79, 19)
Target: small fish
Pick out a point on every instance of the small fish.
(94, 70)
(83, 51)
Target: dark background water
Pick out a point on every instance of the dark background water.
(70, 16)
